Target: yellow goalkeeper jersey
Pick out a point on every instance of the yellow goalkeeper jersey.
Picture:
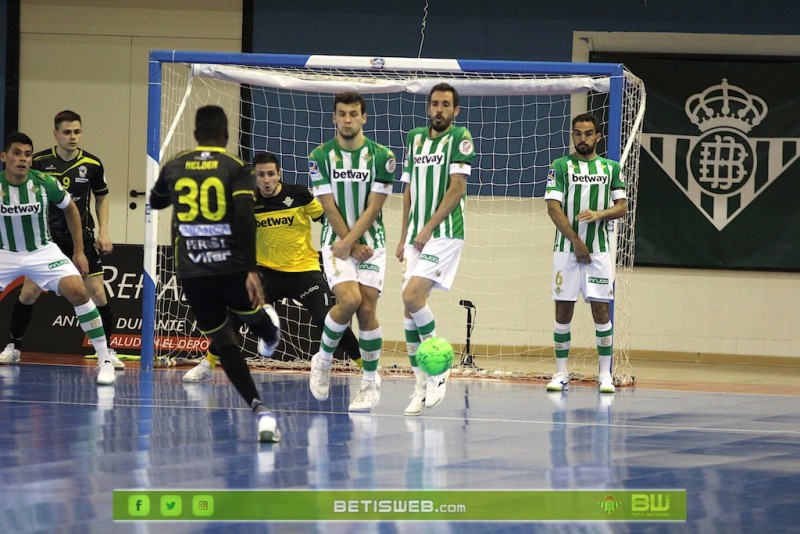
(283, 229)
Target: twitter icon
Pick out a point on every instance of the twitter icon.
(171, 505)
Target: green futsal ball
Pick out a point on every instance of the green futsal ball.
(435, 355)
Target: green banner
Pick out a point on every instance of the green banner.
(399, 505)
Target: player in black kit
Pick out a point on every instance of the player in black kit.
(214, 232)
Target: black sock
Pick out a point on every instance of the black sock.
(257, 406)
(349, 344)
(108, 321)
(235, 367)
(20, 319)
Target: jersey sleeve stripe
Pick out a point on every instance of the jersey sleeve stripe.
(381, 188)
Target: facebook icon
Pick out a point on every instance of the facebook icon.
(139, 505)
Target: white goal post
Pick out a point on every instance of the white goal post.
(519, 113)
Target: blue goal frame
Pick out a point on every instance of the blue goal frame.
(159, 57)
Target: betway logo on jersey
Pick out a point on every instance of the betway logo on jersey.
(275, 221)
(589, 179)
(429, 159)
(351, 175)
(20, 209)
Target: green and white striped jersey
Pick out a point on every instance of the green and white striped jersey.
(427, 168)
(584, 185)
(351, 176)
(23, 210)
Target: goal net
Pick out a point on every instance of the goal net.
(519, 114)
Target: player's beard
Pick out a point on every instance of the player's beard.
(349, 135)
(443, 123)
(585, 149)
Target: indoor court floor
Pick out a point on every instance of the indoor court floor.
(731, 440)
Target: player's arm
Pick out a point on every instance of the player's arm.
(618, 210)
(320, 181)
(452, 197)
(400, 252)
(159, 195)
(554, 196)
(406, 180)
(618, 196)
(314, 209)
(350, 243)
(559, 218)
(103, 244)
(244, 228)
(337, 224)
(333, 216)
(73, 218)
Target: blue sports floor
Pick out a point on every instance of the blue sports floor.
(66, 443)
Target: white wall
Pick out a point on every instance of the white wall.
(716, 312)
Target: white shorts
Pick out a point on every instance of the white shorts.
(438, 261)
(369, 273)
(594, 280)
(45, 266)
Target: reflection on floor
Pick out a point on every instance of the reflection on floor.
(66, 443)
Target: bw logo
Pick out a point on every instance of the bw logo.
(725, 169)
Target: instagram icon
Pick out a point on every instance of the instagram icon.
(203, 505)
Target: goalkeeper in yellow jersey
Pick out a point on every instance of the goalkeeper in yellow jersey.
(287, 262)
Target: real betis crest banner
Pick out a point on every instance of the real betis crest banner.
(720, 177)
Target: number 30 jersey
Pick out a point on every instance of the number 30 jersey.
(202, 184)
